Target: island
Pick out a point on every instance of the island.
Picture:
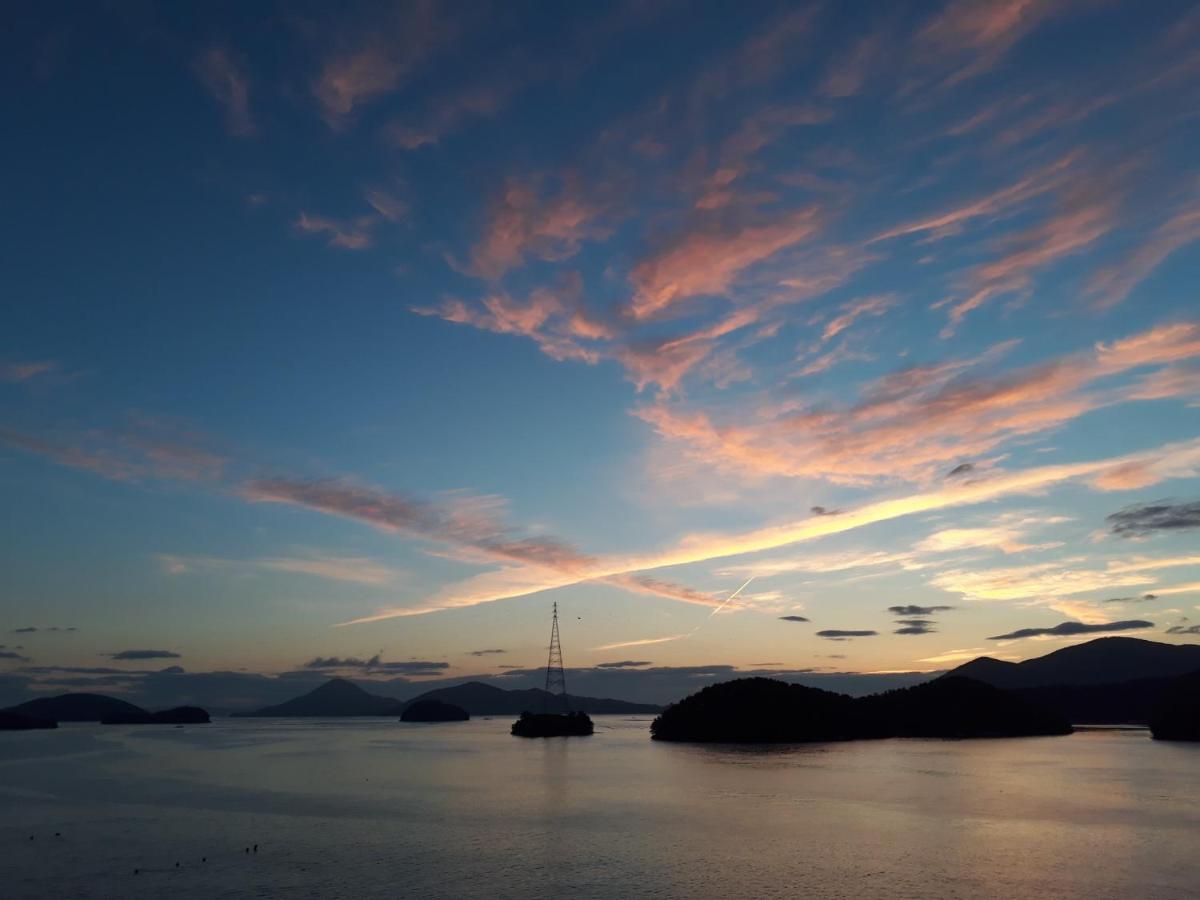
(102, 709)
(1177, 717)
(764, 710)
(11, 721)
(179, 715)
(536, 725)
(434, 711)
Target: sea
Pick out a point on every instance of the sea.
(360, 808)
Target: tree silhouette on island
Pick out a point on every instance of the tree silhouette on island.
(763, 710)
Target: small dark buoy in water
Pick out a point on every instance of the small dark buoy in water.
(247, 849)
(256, 848)
(58, 834)
(177, 865)
(136, 871)
(204, 859)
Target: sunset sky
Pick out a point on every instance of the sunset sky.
(347, 341)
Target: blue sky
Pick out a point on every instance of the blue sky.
(422, 317)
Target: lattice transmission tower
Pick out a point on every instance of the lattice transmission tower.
(556, 680)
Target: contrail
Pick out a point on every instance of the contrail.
(726, 603)
(686, 634)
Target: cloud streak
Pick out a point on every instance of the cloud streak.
(1070, 629)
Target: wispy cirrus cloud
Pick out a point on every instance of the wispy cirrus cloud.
(352, 234)
(1114, 283)
(539, 218)
(141, 448)
(352, 569)
(708, 258)
(225, 78)
(918, 423)
(511, 583)
(371, 60)
(19, 372)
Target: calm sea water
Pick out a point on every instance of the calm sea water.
(382, 809)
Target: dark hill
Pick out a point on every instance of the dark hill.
(759, 710)
(481, 699)
(762, 710)
(1177, 717)
(180, 715)
(958, 708)
(336, 697)
(11, 721)
(433, 711)
(1107, 660)
(76, 708)
(542, 725)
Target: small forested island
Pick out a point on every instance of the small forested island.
(180, 715)
(572, 724)
(11, 721)
(1177, 717)
(763, 710)
(434, 711)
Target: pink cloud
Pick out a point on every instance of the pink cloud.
(1114, 283)
(875, 305)
(707, 260)
(229, 86)
(27, 371)
(375, 63)
(1065, 233)
(915, 425)
(527, 220)
(349, 235)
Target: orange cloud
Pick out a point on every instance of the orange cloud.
(708, 259)
(511, 583)
(913, 425)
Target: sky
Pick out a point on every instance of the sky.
(807, 339)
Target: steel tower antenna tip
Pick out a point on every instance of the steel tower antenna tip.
(556, 679)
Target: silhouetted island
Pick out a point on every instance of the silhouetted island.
(535, 725)
(11, 721)
(76, 708)
(763, 710)
(179, 715)
(102, 709)
(1177, 717)
(434, 711)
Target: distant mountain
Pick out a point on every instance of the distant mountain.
(336, 697)
(76, 708)
(481, 699)
(763, 710)
(1108, 660)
